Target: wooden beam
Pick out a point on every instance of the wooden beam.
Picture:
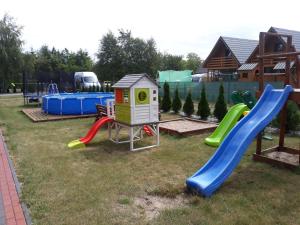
(279, 55)
(276, 34)
(274, 74)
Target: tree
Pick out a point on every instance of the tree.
(220, 106)
(193, 62)
(170, 62)
(166, 101)
(10, 51)
(125, 54)
(29, 62)
(203, 107)
(176, 104)
(188, 107)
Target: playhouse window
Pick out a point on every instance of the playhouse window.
(141, 96)
(126, 99)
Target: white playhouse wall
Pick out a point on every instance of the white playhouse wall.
(147, 113)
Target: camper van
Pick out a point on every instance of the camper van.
(85, 80)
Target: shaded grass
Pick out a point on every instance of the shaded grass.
(63, 186)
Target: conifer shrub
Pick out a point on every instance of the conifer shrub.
(203, 107)
(188, 107)
(220, 106)
(166, 101)
(176, 104)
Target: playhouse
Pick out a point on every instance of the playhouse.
(136, 100)
(135, 109)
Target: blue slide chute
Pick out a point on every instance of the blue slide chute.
(213, 174)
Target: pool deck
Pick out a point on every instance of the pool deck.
(37, 115)
(11, 210)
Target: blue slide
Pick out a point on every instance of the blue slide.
(211, 176)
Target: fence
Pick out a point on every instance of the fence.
(212, 89)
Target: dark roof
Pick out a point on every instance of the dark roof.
(128, 80)
(295, 35)
(241, 48)
(248, 66)
(281, 65)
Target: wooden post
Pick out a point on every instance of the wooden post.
(261, 83)
(261, 61)
(258, 143)
(283, 115)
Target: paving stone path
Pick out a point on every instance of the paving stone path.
(11, 211)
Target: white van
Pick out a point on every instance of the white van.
(86, 80)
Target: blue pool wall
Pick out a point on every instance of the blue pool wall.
(74, 103)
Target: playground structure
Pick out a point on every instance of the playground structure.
(135, 110)
(213, 174)
(276, 155)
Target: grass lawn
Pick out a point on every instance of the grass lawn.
(106, 184)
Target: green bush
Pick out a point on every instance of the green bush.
(188, 107)
(166, 102)
(176, 105)
(220, 106)
(293, 117)
(203, 107)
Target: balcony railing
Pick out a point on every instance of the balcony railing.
(222, 63)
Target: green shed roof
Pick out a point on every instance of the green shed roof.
(175, 76)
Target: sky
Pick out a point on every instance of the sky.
(177, 26)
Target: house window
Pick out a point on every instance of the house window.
(245, 75)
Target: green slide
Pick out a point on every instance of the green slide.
(228, 122)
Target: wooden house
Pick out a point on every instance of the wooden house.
(227, 56)
(136, 100)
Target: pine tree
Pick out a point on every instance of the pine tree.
(220, 106)
(176, 105)
(166, 102)
(203, 107)
(188, 107)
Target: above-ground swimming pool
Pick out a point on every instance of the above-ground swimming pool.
(74, 103)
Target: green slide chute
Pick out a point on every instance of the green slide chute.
(228, 122)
